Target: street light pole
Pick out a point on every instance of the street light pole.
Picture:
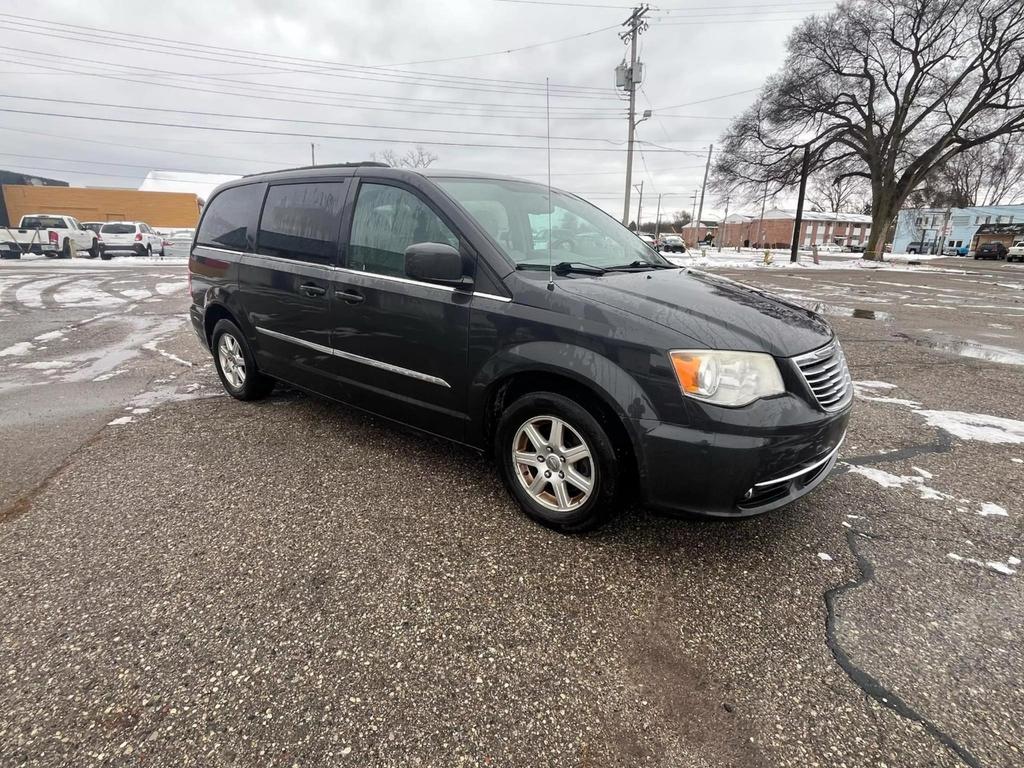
(636, 24)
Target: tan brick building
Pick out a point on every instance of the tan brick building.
(775, 229)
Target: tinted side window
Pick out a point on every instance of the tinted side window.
(227, 215)
(387, 221)
(301, 221)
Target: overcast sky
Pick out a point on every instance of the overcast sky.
(367, 71)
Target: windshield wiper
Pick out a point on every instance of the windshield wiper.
(565, 267)
(640, 265)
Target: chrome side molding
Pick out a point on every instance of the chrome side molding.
(356, 358)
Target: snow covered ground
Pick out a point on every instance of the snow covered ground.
(751, 258)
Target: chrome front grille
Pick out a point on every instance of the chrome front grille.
(827, 375)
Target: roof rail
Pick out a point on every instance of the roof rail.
(360, 164)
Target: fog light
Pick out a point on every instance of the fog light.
(748, 494)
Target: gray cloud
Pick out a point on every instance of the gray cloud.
(714, 52)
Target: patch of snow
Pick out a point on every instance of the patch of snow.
(21, 348)
(152, 346)
(988, 508)
(167, 289)
(825, 557)
(112, 374)
(874, 385)
(976, 426)
(1015, 460)
(141, 410)
(50, 336)
(994, 565)
(889, 480)
(136, 293)
(47, 365)
(120, 420)
(923, 473)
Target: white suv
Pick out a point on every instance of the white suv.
(1016, 252)
(134, 236)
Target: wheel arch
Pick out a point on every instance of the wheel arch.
(213, 314)
(596, 382)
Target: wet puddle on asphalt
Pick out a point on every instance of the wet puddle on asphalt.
(968, 348)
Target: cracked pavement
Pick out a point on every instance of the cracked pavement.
(290, 582)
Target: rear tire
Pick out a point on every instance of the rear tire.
(567, 479)
(235, 364)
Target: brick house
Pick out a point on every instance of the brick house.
(775, 229)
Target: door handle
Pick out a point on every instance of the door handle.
(312, 290)
(350, 297)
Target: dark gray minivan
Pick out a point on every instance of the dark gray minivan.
(526, 323)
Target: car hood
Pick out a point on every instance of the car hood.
(713, 311)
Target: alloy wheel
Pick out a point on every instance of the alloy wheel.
(232, 362)
(553, 463)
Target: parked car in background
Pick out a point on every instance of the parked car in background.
(1016, 252)
(918, 247)
(649, 239)
(135, 236)
(991, 251)
(673, 244)
(93, 226)
(49, 234)
(177, 241)
(577, 375)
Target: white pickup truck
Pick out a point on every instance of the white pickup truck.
(1016, 253)
(48, 234)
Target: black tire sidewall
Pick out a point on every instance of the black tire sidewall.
(256, 385)
(603, 499)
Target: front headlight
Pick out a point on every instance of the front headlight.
(726, 378)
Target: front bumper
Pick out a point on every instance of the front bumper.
(784, 451)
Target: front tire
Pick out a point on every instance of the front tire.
(235, 364)
(558, 462)
(149, 251)
(66, 252)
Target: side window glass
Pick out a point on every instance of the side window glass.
(387, 221)
(227, 216)
(301, 221)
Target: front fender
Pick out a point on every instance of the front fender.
(601, 375)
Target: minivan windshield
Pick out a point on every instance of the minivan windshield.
(515, 215)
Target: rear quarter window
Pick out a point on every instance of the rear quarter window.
(226, 219)
(301, 221)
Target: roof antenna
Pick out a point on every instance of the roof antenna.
(551, 234)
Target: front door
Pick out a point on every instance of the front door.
(400, 344)
(285, 285)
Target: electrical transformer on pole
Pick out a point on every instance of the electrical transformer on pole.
(628, 78)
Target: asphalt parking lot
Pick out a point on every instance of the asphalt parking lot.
(190, 580)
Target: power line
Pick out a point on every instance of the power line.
(45, 27)
(262, 88)
(235, 116)
(125, 121)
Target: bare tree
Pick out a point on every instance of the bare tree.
(990, 174)
(836, 193)
(414, 158)
(891, 88)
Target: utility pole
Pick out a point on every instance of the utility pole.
(657, 219)
(312, 153)
(693, 215)
(798, 223)
(724, 224)
(704, 186)
(640, 201)
(629, 78)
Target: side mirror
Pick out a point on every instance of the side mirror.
(435, 263)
